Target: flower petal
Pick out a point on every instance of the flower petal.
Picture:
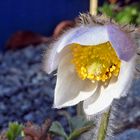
(93, 35)
(121, 42)
(52, 59)
(86, 35)
(52, 56)
(104, 96)
(70, 89)
(90, 35)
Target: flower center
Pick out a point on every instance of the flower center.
(97, 62)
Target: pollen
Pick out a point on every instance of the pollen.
(96, 63)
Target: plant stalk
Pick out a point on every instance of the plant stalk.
(93, 7)
(80, 109)
(104, 125)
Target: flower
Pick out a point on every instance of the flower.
(95, 65)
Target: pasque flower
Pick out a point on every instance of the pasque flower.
(95, 62)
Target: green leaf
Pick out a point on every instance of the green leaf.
(14, 131)
(125, 15)
(10, 135)
(57, 129)
(138, 19)
(74, 122)
(67, 116)
(76, 133)
(77, 122)
(107, 9)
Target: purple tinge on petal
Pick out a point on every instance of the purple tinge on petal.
(121, 42)
(79, 32)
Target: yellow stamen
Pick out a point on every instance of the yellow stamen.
(98, 62)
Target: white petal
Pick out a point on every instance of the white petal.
(94, 35)
(104, 96)
(86, 35)
(52, 56)
(90, 35)
(125, 77)
(70, 89)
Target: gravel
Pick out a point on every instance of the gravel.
(131, 134)
(26, 92)
(126, 111)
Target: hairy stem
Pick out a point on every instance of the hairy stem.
(80, 109)
(103, 126)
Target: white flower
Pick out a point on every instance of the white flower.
(95, 65)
